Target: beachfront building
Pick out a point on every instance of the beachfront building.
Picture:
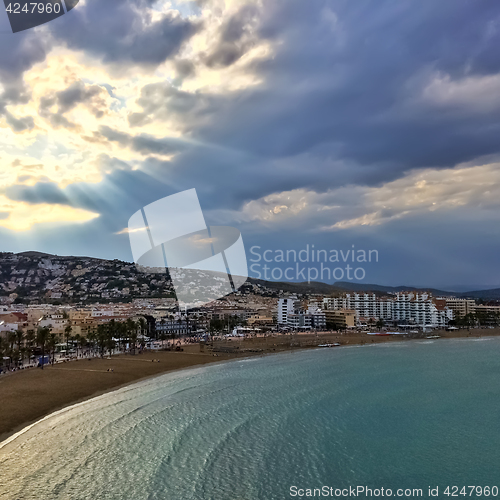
(369, 305)
(366, 305)
(259, 319)
(340, 318)
(488, 315)
(421, 309)
(405, 307)
(335, 303)
(173, 327)
(56, 322)
(287, 306)
(461, 307)
(318, 317)
(299, 321)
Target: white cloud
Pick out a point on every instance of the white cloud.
(418, 192)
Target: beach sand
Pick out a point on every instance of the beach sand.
(28, 395)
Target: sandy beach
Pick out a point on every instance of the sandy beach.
(28, 395)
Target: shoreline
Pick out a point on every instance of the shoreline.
(10, 436)
(54, 380)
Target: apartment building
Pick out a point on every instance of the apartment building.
(318, 316)
(461, 307)
(366, 305)
(487, 309)
(488, 315)
(299, 321)
(405, 307)
(56, 322)
(287, 306)
(341, 318)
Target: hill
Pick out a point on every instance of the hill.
(37, 277)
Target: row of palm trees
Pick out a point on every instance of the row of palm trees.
(118, 334)
(18, 345)
(480, 318)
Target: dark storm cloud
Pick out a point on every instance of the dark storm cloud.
(19, 53)
(341, 101)
(236, 37)
(42, 192)
(347, 77)
(121, 31)
(66, 100)
(19, 124)
(162, 101)
(143, 143)
(75, 94)
(185, 68)
(14, 93)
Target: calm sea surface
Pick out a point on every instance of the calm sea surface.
(407, 415)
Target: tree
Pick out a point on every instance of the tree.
(42, 338)
(11, 340)
(3, 350)
(121, 329)
(19, 342)
(30, 342)
(132, 332)
(51, 343)
(102, 338)
(67, 334)
(142, 327)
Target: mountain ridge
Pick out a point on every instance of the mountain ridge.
(38, 275)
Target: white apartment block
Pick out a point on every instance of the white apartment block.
(318, 317)
(366, 305)
(404, 307)
(56, 322)
(421, 309)
(299, 321)
(285, 307)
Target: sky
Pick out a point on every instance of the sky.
(326, 123)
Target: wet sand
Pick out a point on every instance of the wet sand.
(28, 395)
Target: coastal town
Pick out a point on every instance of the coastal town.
(55, 309)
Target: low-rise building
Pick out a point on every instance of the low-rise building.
(340, 318)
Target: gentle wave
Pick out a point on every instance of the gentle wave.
(252, 428)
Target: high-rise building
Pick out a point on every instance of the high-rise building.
(286, 306)
(405, 307)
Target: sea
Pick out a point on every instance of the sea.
(402, 417)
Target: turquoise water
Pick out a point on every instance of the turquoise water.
(407, 415)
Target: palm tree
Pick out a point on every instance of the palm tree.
(67, 334)
(102, 337)
(132, 332)
(3, 350)
(42, 338)
(82, 341)
(53, 339)
(30, 341)
(142, 326)
(19, 342)
(11, 340)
